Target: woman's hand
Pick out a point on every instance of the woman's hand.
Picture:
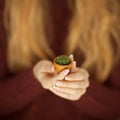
(46, 75)
(73, 86)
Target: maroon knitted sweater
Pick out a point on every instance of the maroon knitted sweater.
(23, 98)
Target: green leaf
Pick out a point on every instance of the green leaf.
(63, 60)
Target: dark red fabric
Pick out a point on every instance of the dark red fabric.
(23, 98)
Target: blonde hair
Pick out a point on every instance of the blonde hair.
(92, 26)
(27, 35)
(94, 29)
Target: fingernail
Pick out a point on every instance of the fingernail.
(67, 78)
(66, 72)
(74, 62)
(58, 83)
(71, 56)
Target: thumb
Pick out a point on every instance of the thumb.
(73, 66)
(44, 66)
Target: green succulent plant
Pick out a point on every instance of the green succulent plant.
(63, 60)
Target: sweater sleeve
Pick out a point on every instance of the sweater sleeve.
(16, 91)
(102, 101)
(19, 91)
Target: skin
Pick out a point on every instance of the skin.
(70, 85)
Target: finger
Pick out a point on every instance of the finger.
(62, 74)
(71, 57)
(79, 74)
(65, 95)
(74, 62)
(73, 84)
(68, 90)
(73, 66)
(60, 94)
(45, 66)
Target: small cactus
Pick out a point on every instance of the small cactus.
(63, 60)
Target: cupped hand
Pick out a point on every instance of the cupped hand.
(73, 86)
(46, 75)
